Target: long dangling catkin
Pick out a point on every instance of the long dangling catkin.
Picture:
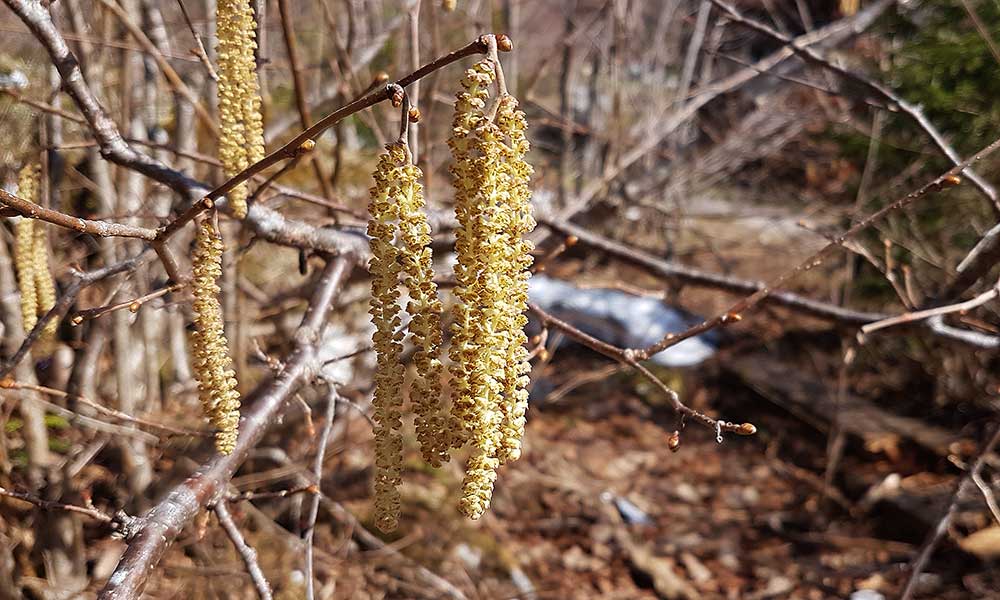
(493, 211)
(217, 391)
(470, 105)
(387, 340)
(515, 175)
(45, 286)
(432, 424)
(24, 249)
(241, 141)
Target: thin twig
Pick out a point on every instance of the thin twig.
(627, 357)
(246, 552)
(317, 472)
(93, 513)
(132, 305)
(918, 315)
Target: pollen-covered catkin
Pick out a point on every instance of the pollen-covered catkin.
(493, 212)
(217, 391)
(241, 141)
(515, 173)
(432, 424)
(387, 340)
(24, 249)
(470, 106)
(45, 286)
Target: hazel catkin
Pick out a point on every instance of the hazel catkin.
(24, 249)
(493, 212)
(424, 308)
(241, 140)
(217, 391)
(387, 402)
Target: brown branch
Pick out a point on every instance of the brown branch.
(160, 526)
(629, 357)
(43, 504)
(246, 552)
(31, 210)
(697, 277)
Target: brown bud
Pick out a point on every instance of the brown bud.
(307, 145)
(674, 441)
(504, 43)
(380, 77)
(134, 306)
(413, 114)
(952, 179)
(75, 321)
(397, 98)
(571, 240)
(746, 429)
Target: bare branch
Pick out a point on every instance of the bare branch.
(161, 525)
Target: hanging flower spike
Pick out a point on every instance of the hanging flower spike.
(515, 175)
(384, 267)
(432, 424)
(24, 249)
(45, 286)
(241, 142)
(217, 391)
(488, 322)
(470, 106)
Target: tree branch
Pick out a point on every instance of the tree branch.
(157, 530)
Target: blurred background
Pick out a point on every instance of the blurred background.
(683, 155)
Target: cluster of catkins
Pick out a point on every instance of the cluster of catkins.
(213, 367)
(31, 253)
(241, 140)
(489, 361)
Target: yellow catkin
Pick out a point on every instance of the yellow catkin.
(387, 340)
(24, 249)
(217, 391)
(470, 107)
(515, 174)
(45, 286)
(432, 424)
(241, 141)
(493, 212)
